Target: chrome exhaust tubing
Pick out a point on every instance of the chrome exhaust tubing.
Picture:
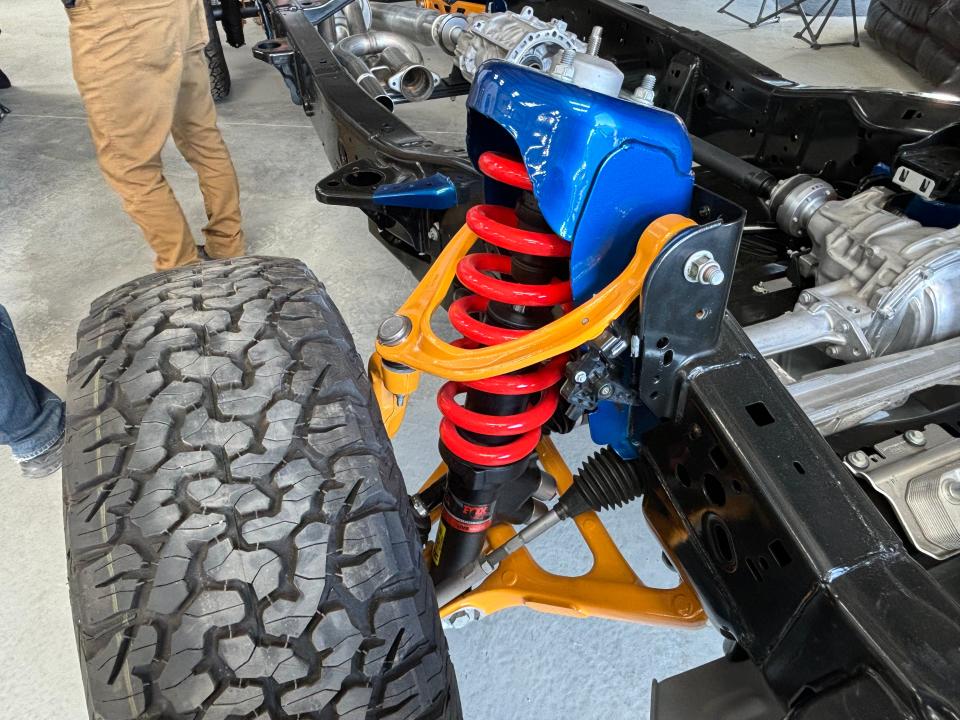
(427, 27)
(409, 76)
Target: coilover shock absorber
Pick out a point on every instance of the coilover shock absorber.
(489, 440)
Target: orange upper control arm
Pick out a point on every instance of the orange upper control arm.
(423, 350)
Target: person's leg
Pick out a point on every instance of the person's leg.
(128, 63)
(31, 415)
(199, 140)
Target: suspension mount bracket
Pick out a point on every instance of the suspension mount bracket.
(680, 321)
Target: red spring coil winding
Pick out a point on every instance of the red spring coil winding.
(499, 226)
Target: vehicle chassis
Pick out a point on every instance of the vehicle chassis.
(792, 561)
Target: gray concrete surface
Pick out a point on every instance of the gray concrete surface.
(64, 240)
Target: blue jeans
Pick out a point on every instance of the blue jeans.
(31, 416)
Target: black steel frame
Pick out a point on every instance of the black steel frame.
(723, 96)
(792, 560)
(790, 557)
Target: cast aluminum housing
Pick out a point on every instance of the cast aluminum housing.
(884, 284)
(519, 38)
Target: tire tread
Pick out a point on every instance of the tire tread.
(237, 543)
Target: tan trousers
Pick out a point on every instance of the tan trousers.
(141, 72)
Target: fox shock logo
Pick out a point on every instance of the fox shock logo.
(464, 516)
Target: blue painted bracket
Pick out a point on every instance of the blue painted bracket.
(436, 192)
(602, 168)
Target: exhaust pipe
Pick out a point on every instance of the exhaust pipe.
(356, 21)
(422, 25)
(409, 76)
(353, 19)
(414, 23)
(363, 76)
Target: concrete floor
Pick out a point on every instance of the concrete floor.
(64, 240)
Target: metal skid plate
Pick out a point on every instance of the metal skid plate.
(919, 473)
(732, 689)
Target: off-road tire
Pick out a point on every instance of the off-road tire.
(239, 542)
(216, 60)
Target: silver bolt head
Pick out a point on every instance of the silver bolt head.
(580, 376)
(394, 330)
(606, 391)
(833, 351)
(953, 491)
(915, 438)
(859, 459)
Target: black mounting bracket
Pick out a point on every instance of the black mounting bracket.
(681, 321)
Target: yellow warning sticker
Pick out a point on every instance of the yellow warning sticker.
(438, 543)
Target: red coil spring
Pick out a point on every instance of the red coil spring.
(499, 226)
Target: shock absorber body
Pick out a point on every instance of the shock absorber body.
(489, 440)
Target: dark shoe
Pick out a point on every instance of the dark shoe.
(46, 464)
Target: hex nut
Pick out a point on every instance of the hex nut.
(643, 96)
(701, 267)
(915, 438)
(859, 460)
(563, 72)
